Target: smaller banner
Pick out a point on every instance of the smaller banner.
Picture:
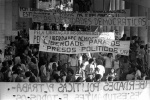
(35, 35)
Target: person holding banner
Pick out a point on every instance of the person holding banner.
(108, 62)
(73, 63)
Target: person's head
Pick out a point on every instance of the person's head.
(54, 66)
(98, 77)
(1, 51)
(10, 63)
(70, 72)
(99, 61)
(33, 60)
(109, 55)
(141, 47)
(65, 65)
(28, 74)
(32, 79)
(112, 70)
(59, 79)
(91, 60)
(79, 79)
(69, 79)
(63, 73)
(124, 35)
(89, 80)
(4, 64)
(116, 57)
(110, 78)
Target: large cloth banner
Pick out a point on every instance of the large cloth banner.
(92, 21)
(29, 12)
(126, 90)
(75, 47)
(35, 35)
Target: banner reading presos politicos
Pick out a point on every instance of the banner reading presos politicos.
(119, 90)
(35, 35)
(76, 47)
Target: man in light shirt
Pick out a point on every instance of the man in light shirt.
(108, 63)
(137, 74)
(101, 68)
(73, 63)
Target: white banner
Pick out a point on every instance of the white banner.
(29, 12)
(123, 90)
(93, 21)
(76, 47)
(35, 35)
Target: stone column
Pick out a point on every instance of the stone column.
(134, 12)
(148, 39)
(2, 25)
(112, 7)
(122, 7)
(142, 31)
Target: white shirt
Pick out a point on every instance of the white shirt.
(101, 69)
(73, 61)
(108, 62)
(129, 77)
(89, 69)
(116, 64)
(138, 74)
(50, 65)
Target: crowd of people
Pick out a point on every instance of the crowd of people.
(25, 63)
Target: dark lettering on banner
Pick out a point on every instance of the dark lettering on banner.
(28, 87)
(123, 51)
(104, 42)
(39, 97)
(65, 43)
(122, 96)
(83, 21)
(27, 14)
(79, 87)
(63, 38)
(125, 85)
(84, 38)
(61, 49)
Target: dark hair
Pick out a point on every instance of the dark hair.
(89, 80)
(78, 79)
(141, 47)
(98, 76)
(10, 62)
(110, 78)
(91, 60)
(59, 78)
(70, 70)
(4, 63)
(68, 79)
(33, 60)
(32, 79)
(109, 54)
(28, 74)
